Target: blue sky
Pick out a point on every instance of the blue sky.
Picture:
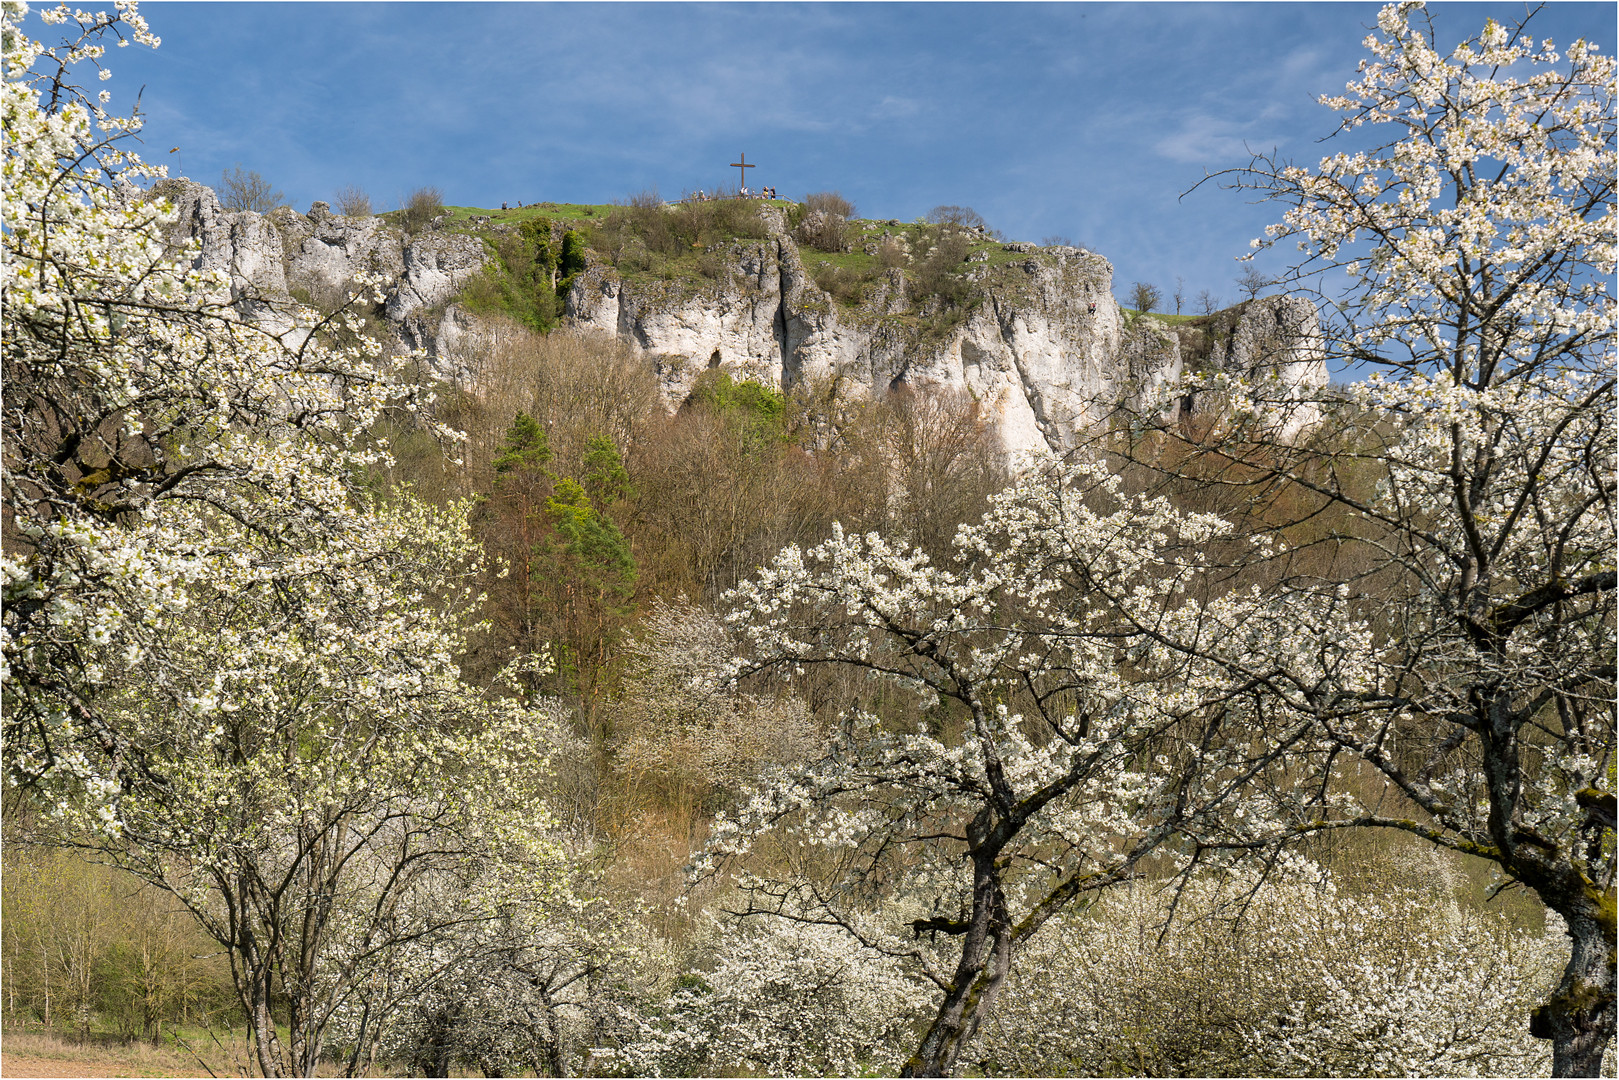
(1082, 120)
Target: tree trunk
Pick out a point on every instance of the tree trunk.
(264, 1039)
(1579, 1018)
(986, 955)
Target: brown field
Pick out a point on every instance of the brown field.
(33, 1053)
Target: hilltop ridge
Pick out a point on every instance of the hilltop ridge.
(771, 291)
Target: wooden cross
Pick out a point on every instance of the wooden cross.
(742, 165)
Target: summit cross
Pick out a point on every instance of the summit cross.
(742, 167)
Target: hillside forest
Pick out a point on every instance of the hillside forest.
(360, 722)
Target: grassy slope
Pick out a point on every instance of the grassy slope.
(1171, 320)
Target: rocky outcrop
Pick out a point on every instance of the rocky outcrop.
(456, 341)
(274, 259)
(1274, 344)
(241, 246)
(437, 265)
(1039, 343)
(1275, 337)
(1044, 349)
(324, 251)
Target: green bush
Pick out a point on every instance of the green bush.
(937, 269)
(572, 261)
(761, 411)
(528, 277)
(640, 233)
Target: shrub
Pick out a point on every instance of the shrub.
(938, 271)
(830, 203)
(645, 199)
(353, 202)
(891, 253)
(641, 232)
(783, 999)
(1298, 979)
(571, 262)
(825, 224)
(720, 219)
(761, 411)
(522, 279)
(423, 205)
(243, 189)
(964, 217)
(841, 282)
(824, 232)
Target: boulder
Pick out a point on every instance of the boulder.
(436, 265)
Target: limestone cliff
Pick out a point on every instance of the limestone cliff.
(1037, 338)
(1043, 348)
(1274, 342)
(273, 259)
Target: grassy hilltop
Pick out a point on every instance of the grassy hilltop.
(538, 248)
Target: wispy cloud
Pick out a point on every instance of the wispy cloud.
(1088, 119)
(1214, 141)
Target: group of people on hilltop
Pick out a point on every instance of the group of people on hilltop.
(742, 193)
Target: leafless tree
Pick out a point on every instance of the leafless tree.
(1145, 297)
(1253, 282)
(353, 202)
(245, 189)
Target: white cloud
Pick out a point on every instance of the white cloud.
(1213, 141)
(1307, 60)
(896, 108)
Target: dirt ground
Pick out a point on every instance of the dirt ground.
(27, 1065)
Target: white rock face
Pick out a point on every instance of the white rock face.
(457, 342)
(324, 251)
(1275, 343)
(436, 265)
(242, 245)
(1044, 353)
(1045, 349)
(1275, 337)
(319, 253)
